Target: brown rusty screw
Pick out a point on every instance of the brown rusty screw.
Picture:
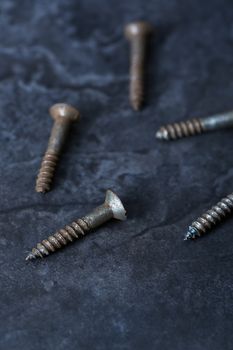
(211, 218)
(63, 115)
(137, 33)
(112, 208)
(195, 126)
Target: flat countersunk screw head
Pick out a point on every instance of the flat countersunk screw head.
(111, 208)
(63, 115)
(137, 33)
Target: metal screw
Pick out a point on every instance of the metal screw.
(64, 115)
(195, 126)
(211, 218)
(112, 208)
(137, 33)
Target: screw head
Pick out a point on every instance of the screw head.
(114, 202)
(139, 28)
(62, 111)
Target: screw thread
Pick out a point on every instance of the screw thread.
(60, 239)
(211, 218)
(137, 72)
(46, 172)
(179, 130)
(137, 94)
(137, 91)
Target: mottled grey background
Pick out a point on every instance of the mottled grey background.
(132, 285)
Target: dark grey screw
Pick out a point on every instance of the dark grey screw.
(137, 33)
(64, 115)
(211, 218)
(195, 126)
(112, 208)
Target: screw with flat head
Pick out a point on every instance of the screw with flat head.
(211, 218)
(63, 115)
(111, 208)
(137, 33)
(195, 126)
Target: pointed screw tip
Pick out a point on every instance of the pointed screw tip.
(189, 235)
(162, 134)
(136, 105)
(30, 256)
(40, 190)
(159, 135)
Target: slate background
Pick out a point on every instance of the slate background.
(131, 285)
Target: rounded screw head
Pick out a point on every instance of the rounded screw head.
(139, 28)
(64, 111)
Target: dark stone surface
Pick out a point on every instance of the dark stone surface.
(132, 285)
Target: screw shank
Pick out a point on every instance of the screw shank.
(138, 48)
(50, 159)
(211, 218)
(98, 216)
(58, 136)
(112, 208)
(218, 121)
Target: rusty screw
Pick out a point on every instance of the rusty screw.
(195, 126)
(112, 208)
(63, 115)
(137, 33)
(211, 218)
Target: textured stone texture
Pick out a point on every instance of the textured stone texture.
(132, 285)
